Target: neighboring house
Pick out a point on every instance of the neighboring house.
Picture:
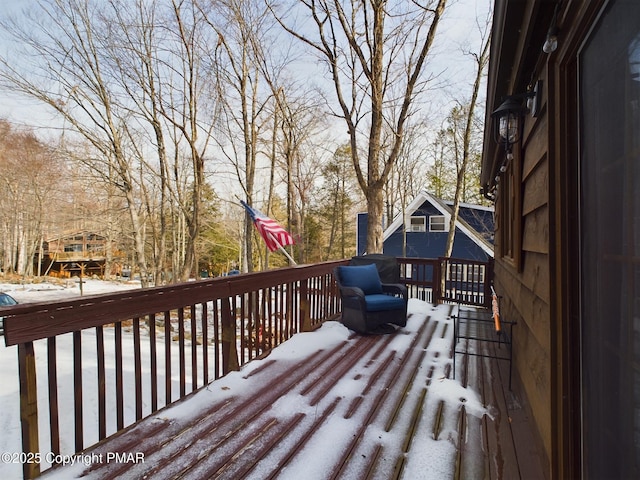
(426, 225)
(75, 253)
(567, 244)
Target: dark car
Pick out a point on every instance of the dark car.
(5, 301)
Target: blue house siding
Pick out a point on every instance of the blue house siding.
(432, 245)
(361, 234)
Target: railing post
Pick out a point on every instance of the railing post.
(229, 349)
(28, 407)
(488, 281)
(436, 281)
(305, 306)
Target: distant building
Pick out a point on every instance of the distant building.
(75, 253)
(426, 226)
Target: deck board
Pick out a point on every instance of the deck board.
(379, 392)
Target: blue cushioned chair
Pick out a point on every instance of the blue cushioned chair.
(368, 305)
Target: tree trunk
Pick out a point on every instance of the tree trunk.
(481, 60)
(374, 223)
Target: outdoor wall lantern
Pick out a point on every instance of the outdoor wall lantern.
(507, 123)
(507, 117)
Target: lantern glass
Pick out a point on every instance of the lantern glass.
(508, 127)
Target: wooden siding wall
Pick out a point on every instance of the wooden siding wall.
(539, 280)
(525, 283)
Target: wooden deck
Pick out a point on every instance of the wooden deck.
(377, 407)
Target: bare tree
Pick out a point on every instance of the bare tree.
(405, 180)
(239, 26)
(299, 129)
(70, 75)
(186, 113)
(376, 52)
(27, 196)
(160, 58)
(136, 37)
(340, 192)
(130, 78)
(440, 176)
(462, 125)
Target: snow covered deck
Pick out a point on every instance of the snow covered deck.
(331, 404)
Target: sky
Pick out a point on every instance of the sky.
(437, 465)
(457, 29)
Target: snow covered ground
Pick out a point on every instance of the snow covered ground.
(64, 290)
(11, 439)
(301, 345)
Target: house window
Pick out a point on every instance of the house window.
(418, 224)
(510, 221)
(437, 223)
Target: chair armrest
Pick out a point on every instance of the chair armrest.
(351, 292)
(353, 298)
(395, 288)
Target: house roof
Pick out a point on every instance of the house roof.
(447, 211)
(69, 234)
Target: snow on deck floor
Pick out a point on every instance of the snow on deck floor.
(325, 404)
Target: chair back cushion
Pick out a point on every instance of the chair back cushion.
(362, 276)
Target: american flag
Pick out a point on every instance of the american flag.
(273, 234)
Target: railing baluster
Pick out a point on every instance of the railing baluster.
(275, 326)
(204, 322)
(181, 352)
(167, 358)
(119, 376)
(102, 396)
(54, 412)
(217, 338)
(137, 362)
(153, 361)
(28, 406)
(194, 349)
(245, 328)
(286, 328)
(77, 390)
(270, 318)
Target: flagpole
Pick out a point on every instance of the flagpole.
(291, 260)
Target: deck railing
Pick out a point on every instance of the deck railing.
(465, 281)
(175, 340)
(437, 280)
